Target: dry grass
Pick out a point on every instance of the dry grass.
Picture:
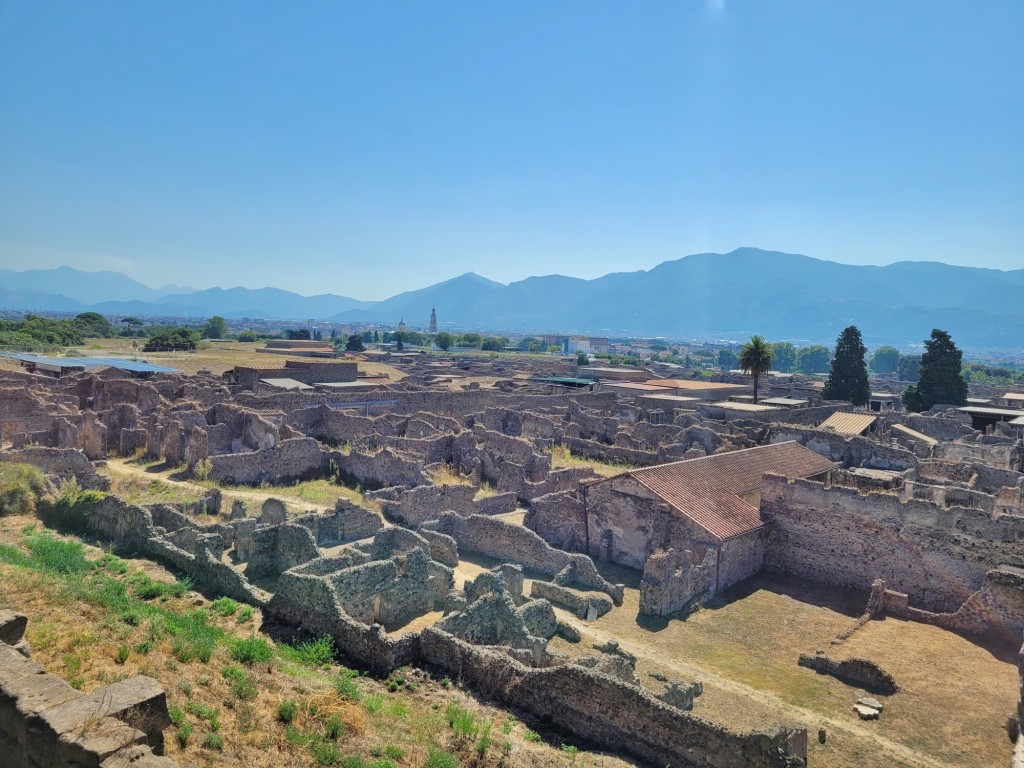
(563, 458)
(745, 651)
(446, 474)
(79, 641)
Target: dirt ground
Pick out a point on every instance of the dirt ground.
(216, 357)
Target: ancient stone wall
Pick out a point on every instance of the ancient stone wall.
(289, 460)
(849, 450)
(673, 579)
(841, 536)
(857, 672)
(45, 723)
(515, 544)
(380, 470)
(601, 710)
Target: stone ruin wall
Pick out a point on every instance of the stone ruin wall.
(849, 450)
(512, 543)
(45, 723)
(1018, 753)
(609, 712)
(840, 536)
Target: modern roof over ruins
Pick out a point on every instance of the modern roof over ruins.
(849, 423)
(90, 363)
(707, 490)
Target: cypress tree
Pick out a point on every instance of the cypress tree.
(940, 379)
(848, 378)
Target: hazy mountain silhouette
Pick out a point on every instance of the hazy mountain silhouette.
(708, 295)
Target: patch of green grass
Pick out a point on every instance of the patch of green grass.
(373, 702)
(316, 653)
(245, 614)
(225, 606)
(213, 741)
(251, 650)
(183, 734)
(437, 758)
(325, 752)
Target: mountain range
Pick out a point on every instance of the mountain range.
(703, 296)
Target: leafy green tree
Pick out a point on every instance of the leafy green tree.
(554, 348)
(785, 356)
(298, 334)
(216, 328)
(941, 380)
(727, 359)
(93, 324)
(813, 359)
(248, 336)
(444, 340)
(399, 346)
(581, 358)
(848, 377)
(909, 368)
(470, 340)
(885, 360)
(355, 343)
(493, 344)
(756, 359)
(180, 339)
(376, 337)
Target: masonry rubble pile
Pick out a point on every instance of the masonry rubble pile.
(383, 586)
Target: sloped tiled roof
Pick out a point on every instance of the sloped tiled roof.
(707, 490)
(848, 423)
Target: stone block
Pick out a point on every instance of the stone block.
(12, 627)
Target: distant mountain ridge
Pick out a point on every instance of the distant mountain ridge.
(709, 295)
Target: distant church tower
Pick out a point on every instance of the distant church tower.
(432, 328)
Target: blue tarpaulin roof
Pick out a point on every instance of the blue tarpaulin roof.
(136, 366)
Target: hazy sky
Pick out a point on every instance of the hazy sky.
(365, 148)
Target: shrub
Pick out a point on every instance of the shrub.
(177, 715)
(71, 509)
(287, 710)
(251, 650)
(373, 702)
(324, 752)
(183, 734)
(394, 752)
(334, 729)
(202, 469)
(225, 606)
(123, 652)
(438, 759)
(213, 741)
(21, 485)
(245, 614)
(316, 653)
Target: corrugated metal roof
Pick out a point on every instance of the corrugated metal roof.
(848, 423)
(915, 434)
(1013, 396)
(692, 384)
(707, 490)
(634, 385)
(286, 383)
(137, 366)
(749, 407)
(783, 401)
(991, 411)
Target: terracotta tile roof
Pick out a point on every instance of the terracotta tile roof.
(707, 490)
(848, 423)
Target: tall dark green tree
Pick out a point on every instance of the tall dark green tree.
(848, 377)
(941, 379)
(727, 359)
(756, 359)
(354, 343)
(908, 368)
(216, 328)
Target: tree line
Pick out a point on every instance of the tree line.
(938, 372)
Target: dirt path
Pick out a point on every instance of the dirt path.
(126, 467)
(807, 718)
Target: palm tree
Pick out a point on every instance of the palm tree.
(756, 358)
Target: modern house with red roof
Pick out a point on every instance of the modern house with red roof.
(705, 505)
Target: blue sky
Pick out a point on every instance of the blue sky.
(365, 148)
